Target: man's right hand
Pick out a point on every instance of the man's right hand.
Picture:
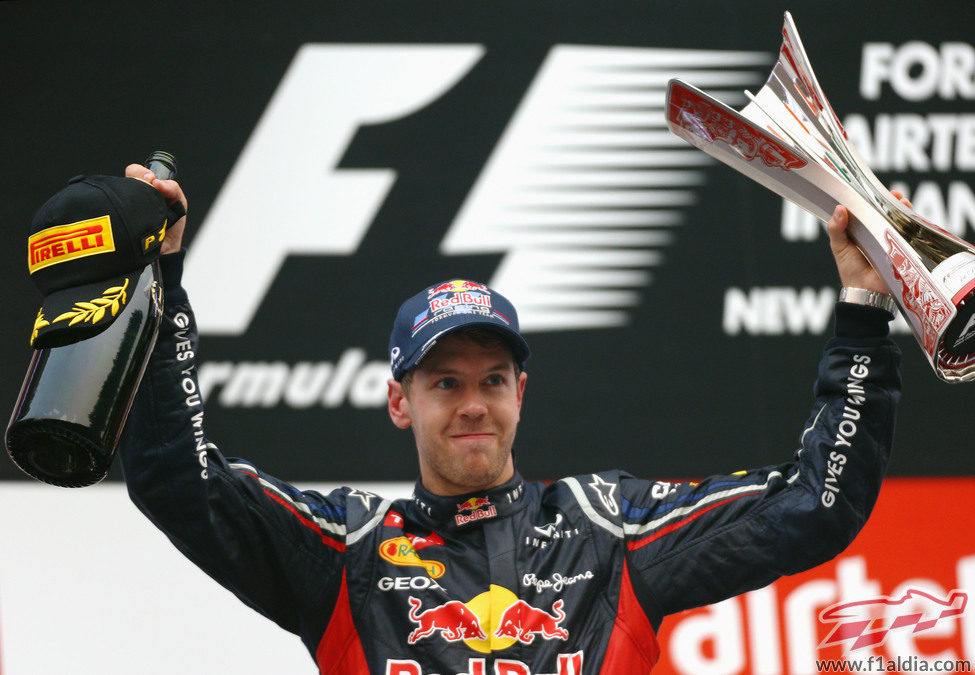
(172, 192)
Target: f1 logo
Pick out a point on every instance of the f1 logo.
(579, 194)
(286, 176)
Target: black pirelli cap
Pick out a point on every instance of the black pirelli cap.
(87, 246)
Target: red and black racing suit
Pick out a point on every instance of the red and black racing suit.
(570, 577)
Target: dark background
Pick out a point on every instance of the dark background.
(88, 88)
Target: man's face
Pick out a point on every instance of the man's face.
(464, 403)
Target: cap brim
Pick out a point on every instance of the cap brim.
(519, 347)
(80, 312)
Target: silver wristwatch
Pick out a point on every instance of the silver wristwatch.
(861, 296)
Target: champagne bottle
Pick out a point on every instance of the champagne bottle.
(76, 396)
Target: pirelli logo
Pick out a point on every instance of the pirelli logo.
(67, 242)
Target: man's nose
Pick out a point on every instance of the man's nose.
(473, 405)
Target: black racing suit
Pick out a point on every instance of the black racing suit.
(569, 577)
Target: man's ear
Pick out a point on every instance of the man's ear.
(522, 379)
(399, 407)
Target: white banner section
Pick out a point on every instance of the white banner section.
(89, 586)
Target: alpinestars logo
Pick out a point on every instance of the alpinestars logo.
(580, 195)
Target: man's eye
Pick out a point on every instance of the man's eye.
(445, 383)
(495, 380)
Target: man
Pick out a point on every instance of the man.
(481, 572)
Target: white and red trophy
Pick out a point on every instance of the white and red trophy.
(789, 139)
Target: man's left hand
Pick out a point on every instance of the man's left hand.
(855, 270)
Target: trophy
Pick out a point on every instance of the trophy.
(788, 139)
(92, 252)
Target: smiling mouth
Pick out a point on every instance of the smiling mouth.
(473, 436)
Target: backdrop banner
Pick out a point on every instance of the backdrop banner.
(339, 158)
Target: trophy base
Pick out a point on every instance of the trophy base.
(56, 453)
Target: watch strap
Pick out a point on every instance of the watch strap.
(861, 296)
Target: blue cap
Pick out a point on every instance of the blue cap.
(445, 308)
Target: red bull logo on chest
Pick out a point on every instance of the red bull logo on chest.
(567, 664)
(453, 620)
(523, 622)
(474, 509)
(489, 622)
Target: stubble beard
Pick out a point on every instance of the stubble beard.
(473, 470)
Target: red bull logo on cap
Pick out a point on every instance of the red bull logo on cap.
(457, 286)
(470, 301)
(452, 298)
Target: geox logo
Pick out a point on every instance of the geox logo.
(578, 199)
(67, 242)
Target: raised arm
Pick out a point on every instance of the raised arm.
(697, 543)
(279, 549)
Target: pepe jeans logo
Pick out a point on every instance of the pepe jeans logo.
(556, 582)
(67, 242)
